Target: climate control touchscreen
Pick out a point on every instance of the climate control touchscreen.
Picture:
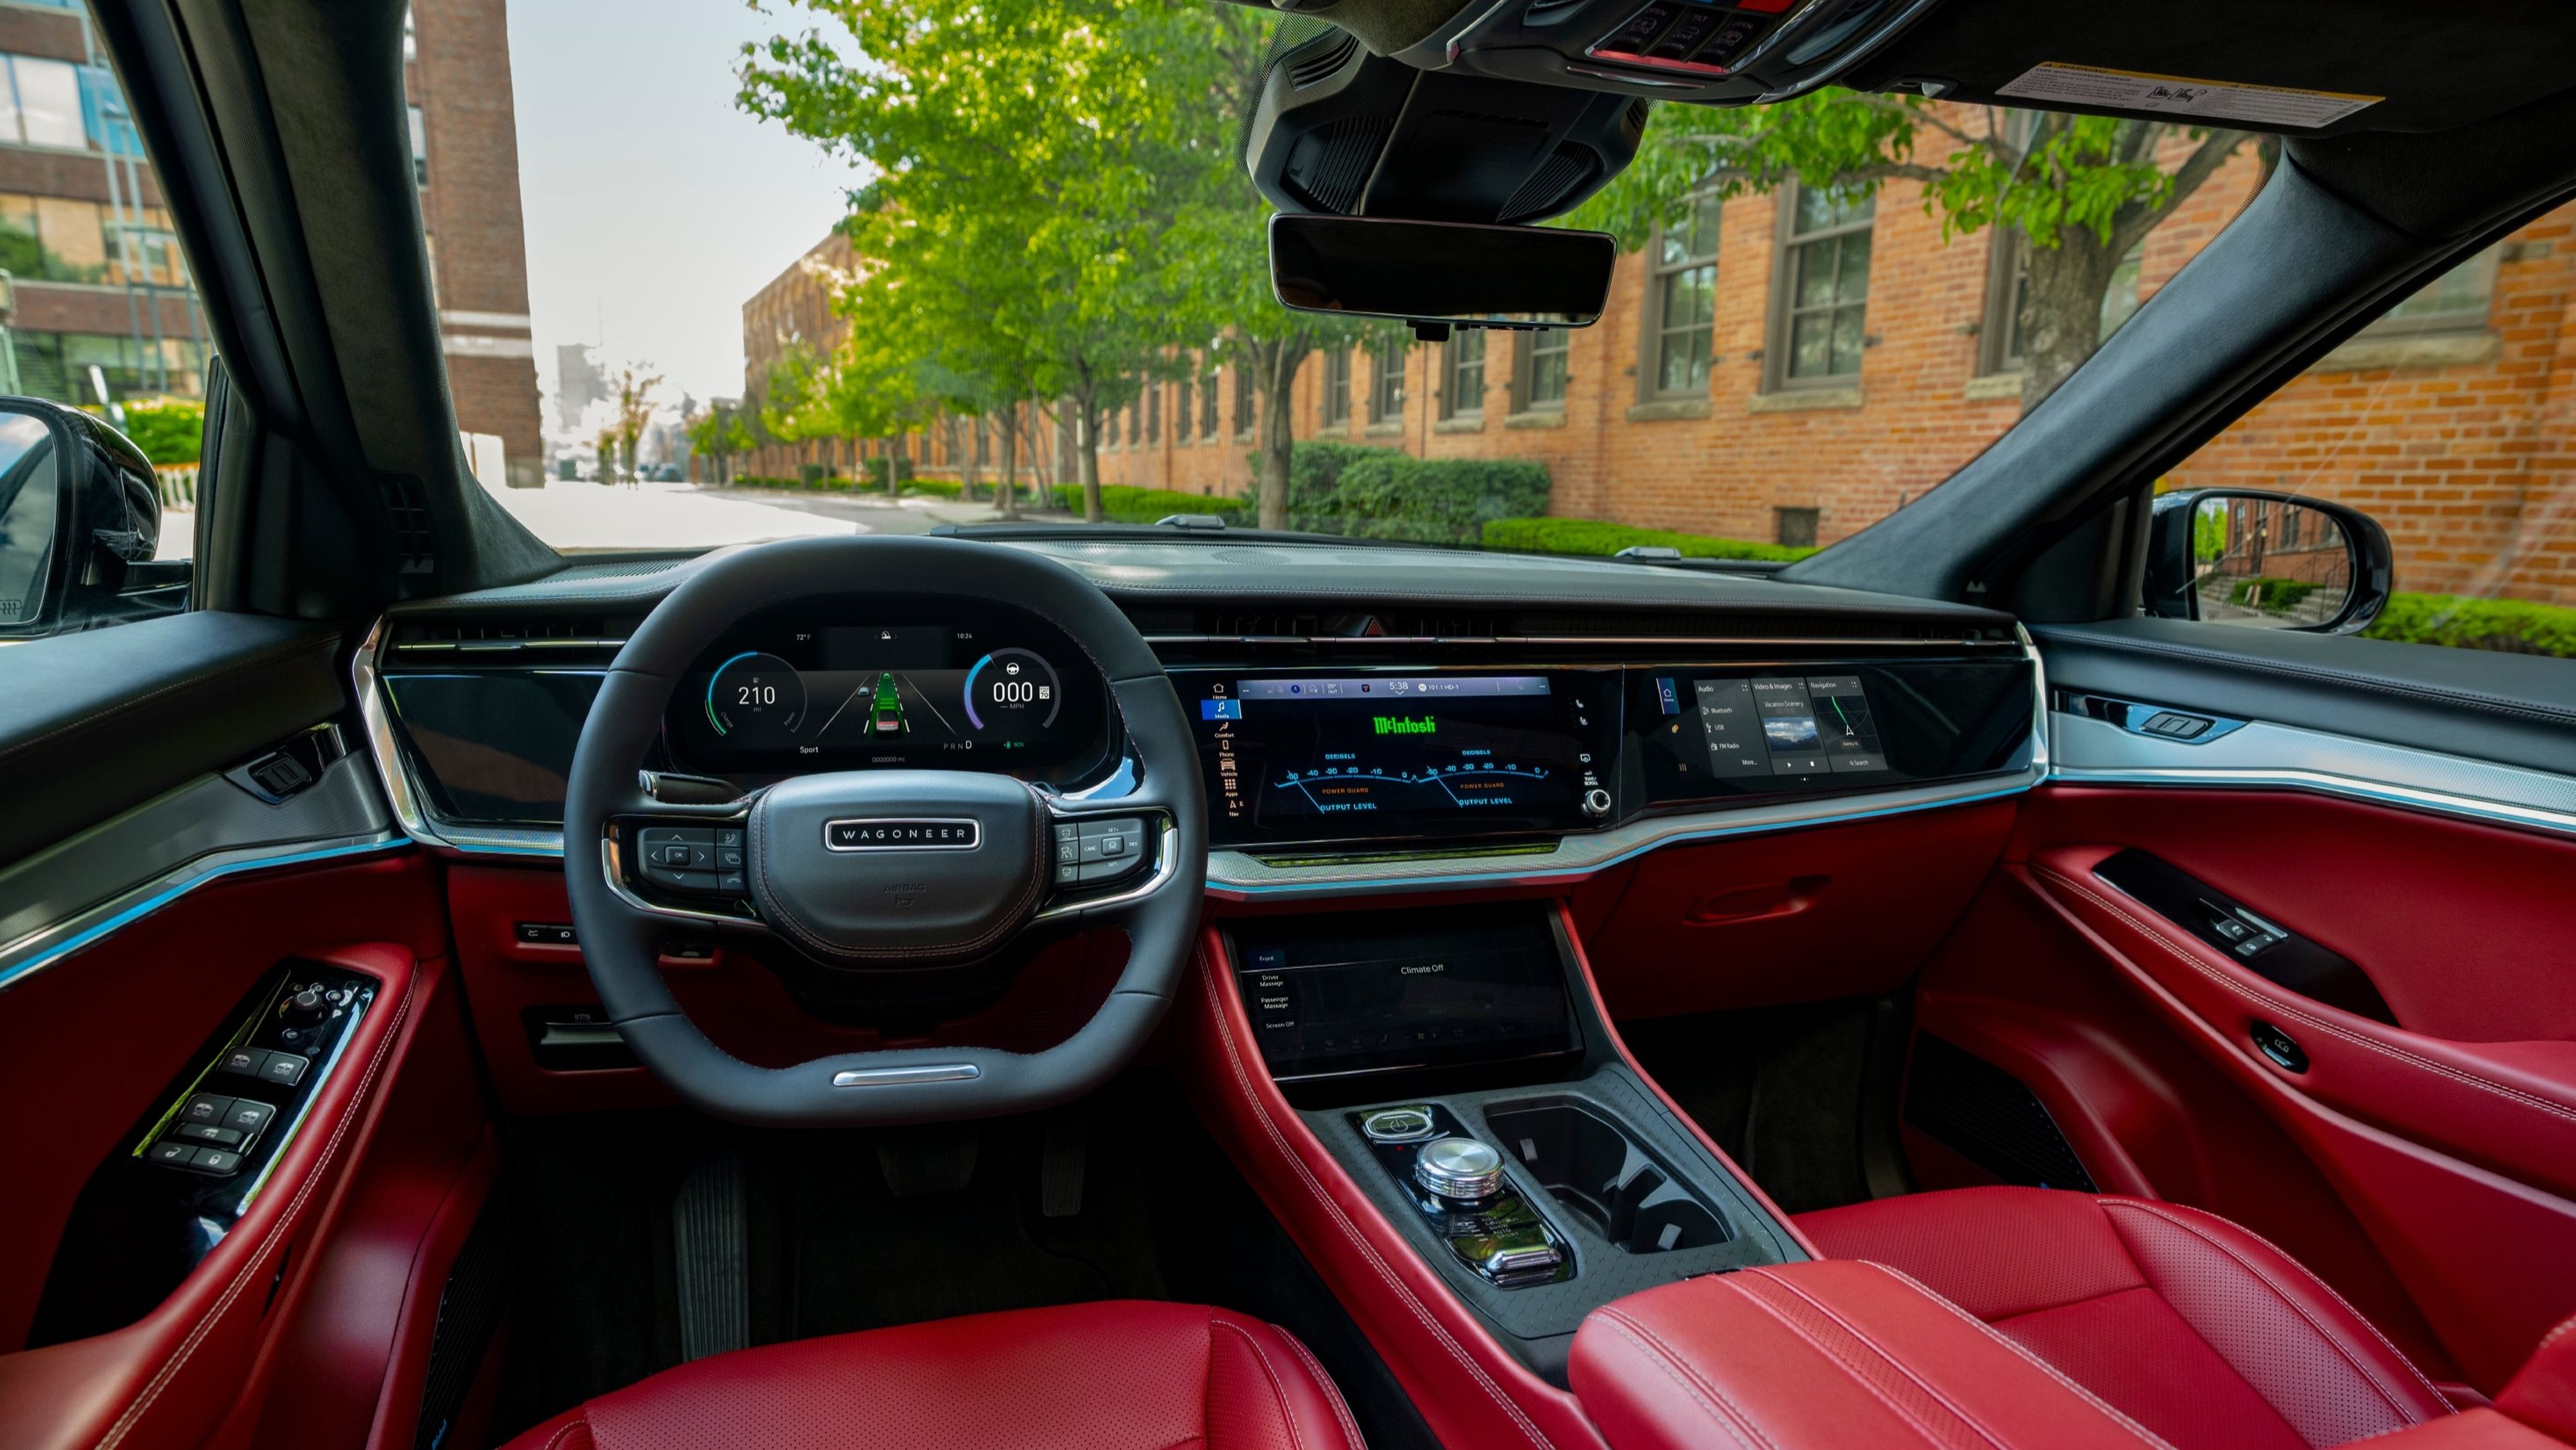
(1310, 757)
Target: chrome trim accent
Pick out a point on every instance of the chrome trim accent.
(974, 834)
(907, 1076)
(403, 789)
(41, 948)
(1166, 865)
(2039, 745)
(1729, 641)
(2282, 757)
(609, 865)
(1236, 876)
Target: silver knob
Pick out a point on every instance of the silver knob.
(1459, 1168)
(1596, 803)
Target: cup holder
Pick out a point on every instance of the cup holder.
(1592, 1167)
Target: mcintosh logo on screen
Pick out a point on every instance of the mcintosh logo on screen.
(1406, 725)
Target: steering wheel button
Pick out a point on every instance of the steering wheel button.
(732, 881)
(729, 836)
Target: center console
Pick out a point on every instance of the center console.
(1453, 1062)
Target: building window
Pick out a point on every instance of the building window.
(411, 38)
(1181, 411)
(1386, 383)
(419, 148)
(2008, 283)
(1154, 413)
(2456, 301)
(1462, 374)
(40, 103)
(1539, 370)
(1135, 419)
(1207, 402)
(1823, 294)
(1794, 528)
(1337, 388)
(1243, 401)
(1681, 300)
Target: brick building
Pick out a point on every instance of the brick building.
(465, 149)
(793, 313)
(98, 279)
(1710, 400)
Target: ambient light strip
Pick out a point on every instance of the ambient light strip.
(2284, 757)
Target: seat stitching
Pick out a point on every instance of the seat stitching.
(1853, 1370)
(2249, 1266)
(2029, 1355)
(2293, 1012)
(1278, 1391)
(1332, 1391)
(286, 1222)
(557, 1438)
(2555, 1335)
(1340, 1220)
(1727, 1415)
(1865, 1337)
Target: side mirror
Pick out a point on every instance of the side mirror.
(2269, 560)
(80, 521)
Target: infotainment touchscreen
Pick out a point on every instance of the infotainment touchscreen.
(1373, 992)
(1389, 755)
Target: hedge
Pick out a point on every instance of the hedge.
(1436, 500)
(168, 430)
(1126, 505)
(1588, 536)
(2269, 594)
(2512, 626)
(1315, 482)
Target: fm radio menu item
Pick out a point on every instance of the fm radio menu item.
(1315, 757)
(1792, 725)
(1376, 993)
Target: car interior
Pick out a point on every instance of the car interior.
(1938, 992)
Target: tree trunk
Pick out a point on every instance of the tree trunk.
(1008, 499)
(1086, 423)
(970, 470)
(1275, 363)
(2061, 309)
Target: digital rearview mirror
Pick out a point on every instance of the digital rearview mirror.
(1436, 272)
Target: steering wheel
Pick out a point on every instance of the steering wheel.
(885, 870)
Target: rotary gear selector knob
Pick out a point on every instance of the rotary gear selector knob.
(1461, 1169)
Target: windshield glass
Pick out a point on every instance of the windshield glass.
(875, 265)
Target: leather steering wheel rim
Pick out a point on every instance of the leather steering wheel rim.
(620, 942)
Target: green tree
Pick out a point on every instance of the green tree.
(718, 434)
(1019, 198)
(634, 401)
(1217, 58)
(2077, 191)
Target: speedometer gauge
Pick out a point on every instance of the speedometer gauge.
(1012, 691)
(756, 699)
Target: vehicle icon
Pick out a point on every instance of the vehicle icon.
(886, 716)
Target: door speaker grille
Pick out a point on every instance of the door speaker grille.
(1989, 1117)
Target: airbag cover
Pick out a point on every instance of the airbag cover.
(897, 868)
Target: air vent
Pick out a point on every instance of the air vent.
(1232, 624)
(1607, 625)
(1329, 166)
(1551, 187)
(551, 640)
(1322, 64)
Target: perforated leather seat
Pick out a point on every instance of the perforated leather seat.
(1124, 1375)
(2197, 1329)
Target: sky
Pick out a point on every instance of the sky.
(654, 208)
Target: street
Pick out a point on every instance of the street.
(589, 516)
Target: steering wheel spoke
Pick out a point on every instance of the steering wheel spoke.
(1107, 857)
(682, 865)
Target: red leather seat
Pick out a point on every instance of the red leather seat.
(1123, 1375)
(2191, 1326)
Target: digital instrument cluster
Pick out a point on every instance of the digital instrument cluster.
(982, 692)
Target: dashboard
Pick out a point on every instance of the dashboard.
(1573, 709)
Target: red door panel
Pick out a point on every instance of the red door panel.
(2452, 1137)
(94, 1040)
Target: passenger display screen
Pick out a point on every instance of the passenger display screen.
(1715, 735)
(1300, 757)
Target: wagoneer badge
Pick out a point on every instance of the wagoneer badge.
(943, 834)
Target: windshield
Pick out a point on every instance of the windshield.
(878, 265)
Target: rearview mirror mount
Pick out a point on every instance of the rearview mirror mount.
(1437, 275)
